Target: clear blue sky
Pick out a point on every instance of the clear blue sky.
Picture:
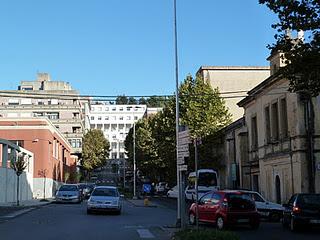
(112, 47)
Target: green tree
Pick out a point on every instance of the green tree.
(122, 99)
(202, 109)
(95, 150)
(142, 101)
(18, 165)
(302, 56)
(132, 101)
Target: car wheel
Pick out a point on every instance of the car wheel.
(293, 225)
(192, 218)
(220, 223)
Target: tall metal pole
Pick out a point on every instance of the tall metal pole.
(196, 182)
(134, 160)
(177, 113)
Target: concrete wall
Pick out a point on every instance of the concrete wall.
(50, 187)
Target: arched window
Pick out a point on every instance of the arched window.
(278, 189)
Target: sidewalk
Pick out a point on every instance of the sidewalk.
(11, 210)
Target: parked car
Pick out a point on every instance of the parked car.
(225, 208)
(302, 210)
(105, 198)
(161, 188)
(68, 193)
(173, 192)
(267, 210)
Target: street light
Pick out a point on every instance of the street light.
(134, 153)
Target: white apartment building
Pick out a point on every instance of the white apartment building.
(115, 121)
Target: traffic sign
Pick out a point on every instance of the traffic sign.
(183, 167)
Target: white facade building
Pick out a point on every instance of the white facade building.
(115, 121)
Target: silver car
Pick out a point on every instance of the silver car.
(105, 198)
(68, 193)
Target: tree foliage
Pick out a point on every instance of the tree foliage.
(122, 99)
(95, 150)
(201, 108)
(302, 56)
(18, 165)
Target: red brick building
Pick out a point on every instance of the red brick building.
(52, 158)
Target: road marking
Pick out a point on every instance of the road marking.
(145, 233)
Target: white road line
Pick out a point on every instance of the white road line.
(145, 233)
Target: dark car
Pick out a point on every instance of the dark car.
(86, 189)
(226, 208)
(303, 209)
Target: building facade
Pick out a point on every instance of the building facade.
(233, 83)
(283, 147)
(51, 151)
(55, 100)
(115, 121)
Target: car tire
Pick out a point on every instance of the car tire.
(192, 218)
(293, 225)
(220, 223)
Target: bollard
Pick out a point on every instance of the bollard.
(146, 201)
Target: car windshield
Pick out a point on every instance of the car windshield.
(68, 188)
(108, 192)
(238, 201)
(312, 200)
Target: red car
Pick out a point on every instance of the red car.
(225, 208)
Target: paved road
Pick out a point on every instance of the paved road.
(267, 230)
(70, 221)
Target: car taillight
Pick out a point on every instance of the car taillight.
(296, 209)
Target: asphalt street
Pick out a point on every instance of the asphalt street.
(71, 222)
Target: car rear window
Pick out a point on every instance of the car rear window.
(240, 201)
(68, 188)
(310, 200)
(108, 192)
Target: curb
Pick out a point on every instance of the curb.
(23, 211)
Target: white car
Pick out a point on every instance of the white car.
(269, 210)
(105, 198)
(173, 192)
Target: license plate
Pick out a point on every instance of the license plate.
(243, 220)
(315, 221)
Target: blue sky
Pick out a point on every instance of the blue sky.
(113, 47)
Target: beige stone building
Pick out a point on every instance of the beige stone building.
(56, 100)
(234, 82)
(284, 150)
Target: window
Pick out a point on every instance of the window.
(75, 115)
(121, 118)
(275, 122)
(53, 115)
(254, 133)
(128, 118)
(121, 109)
(114, 109)
(114, 146)
(106, 118)
(267, 123)
(92, 117)
(92, 108)
(13, 101)
(256, 197)
(121, 155)
(107, 109)
(216, 198)
(40, 103)
(99, 118)
(76, 129)
(135, 118)
(284, 118)
(206, 198)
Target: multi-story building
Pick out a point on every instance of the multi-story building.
(283, 138)
(115, 121)
(51, 151)
(55, 100)
(233, 83)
